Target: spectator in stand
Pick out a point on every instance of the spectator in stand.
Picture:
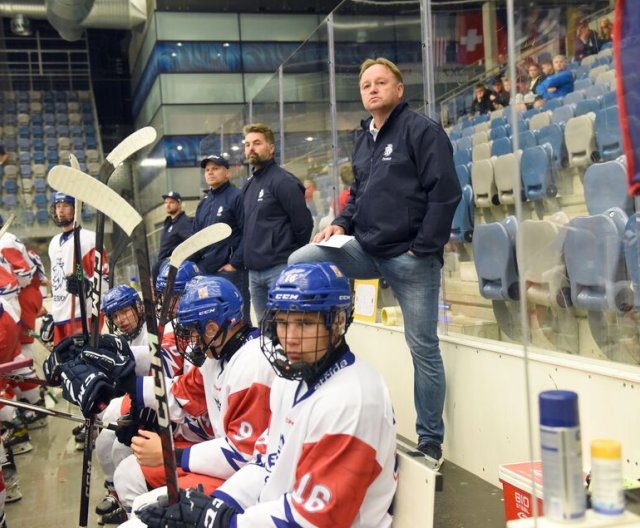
(500, 96)
(346, 177)
(536, 76)
(559, 84)
(277, 221)
(176, 229)
(312, 198)
(586, 43)
(482, 103)
(4, 157)
(605, 32)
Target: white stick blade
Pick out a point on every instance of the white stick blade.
(132, 144)
(200, 240)
(7, 224)
(86, 188)
(77, 216)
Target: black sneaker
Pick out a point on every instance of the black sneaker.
(107, 505)
(117, 516)
(433, 454)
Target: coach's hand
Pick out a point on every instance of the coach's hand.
(328, 232)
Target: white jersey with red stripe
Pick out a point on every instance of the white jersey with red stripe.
(235, 395)
(173, 362)
(9, 289)
(330, 454)
(61, 256)
(15, 252)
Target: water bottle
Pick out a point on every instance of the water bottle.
(561, 446)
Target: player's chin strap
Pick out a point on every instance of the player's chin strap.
(233, 344)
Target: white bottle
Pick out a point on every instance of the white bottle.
(607, 494)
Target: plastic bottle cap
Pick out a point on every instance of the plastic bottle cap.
(606, 449)
(559, 408)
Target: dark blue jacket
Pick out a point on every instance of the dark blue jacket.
(277, 221)
(405, 189)
(223, 204)
(174, 232)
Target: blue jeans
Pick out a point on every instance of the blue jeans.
(259, 284)
(416, 283)
(240, 278)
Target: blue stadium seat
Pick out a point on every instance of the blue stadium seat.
(22, 97)
(40, 185)
(62, 119)
(464, 143)
(538, 172)
(51, 142)
(49, 119)
(463, 218)
(552, 104)
(87, 118)
(22, 107)
(10, 200)
(89, 130)
(501, 146)
(597, 241)
(554, 135)
(596, 90)
(24, 157)
(76, 131)
(463, 175)
(454, 135)
(24, 144)
(630, 242)
(499, 132)
(468, 131)
(526, 139)
(42, 216)
(460, 157)
(91, 142)
(10, 186)
(88, 214)
(61, 107)
(59, 96)
(24, 132)
(609, 99)
(36, 119)
(63, 130)
(38, 156)
(80, 154)
(37, 131)
(574, 97)
(52, 156)
(563, 113)
(25, 171)
(528, 114)
(498, 122)
(41, 200)
(582, 71)
(28, 217)
(494, 250)
(37, 144)
(608, 136)
(582, 84)
(47, 96)
(77, 143)
(588, 105)
(605, 186)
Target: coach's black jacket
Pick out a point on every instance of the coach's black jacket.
(223, 204)
(174, 231)
(405, 189)
(277, 220)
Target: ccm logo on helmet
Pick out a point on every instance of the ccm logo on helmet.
(287, 296)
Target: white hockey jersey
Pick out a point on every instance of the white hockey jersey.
(330, 454)
(61, 256)
(234, 393)
(18, 258)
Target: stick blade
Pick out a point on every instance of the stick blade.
(200, 240)
(86, 188)
(75, 164)
(132, 144)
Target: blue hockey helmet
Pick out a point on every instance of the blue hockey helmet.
(125, 324)
(60, 197)
(187, 271)
(315, 288)
(206, 299)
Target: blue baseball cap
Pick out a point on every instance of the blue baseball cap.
(172, 194)
(213, 158)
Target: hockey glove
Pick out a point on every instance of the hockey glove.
(73, 285)
(67, 350)
(46, 329)
(115, 360)
(129, 424)
(85, 386)
(194, 509)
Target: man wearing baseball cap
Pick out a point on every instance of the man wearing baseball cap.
(223, 203)
(177, 228)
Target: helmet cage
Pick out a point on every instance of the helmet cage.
(138, 309)
(195, 350)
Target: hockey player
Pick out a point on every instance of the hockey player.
(62, 259)
(231, 384)
(330, 446)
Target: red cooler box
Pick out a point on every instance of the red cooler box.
(517, 489)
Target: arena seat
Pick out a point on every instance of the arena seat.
(554, 103)
(485, 126)
(481, 152)
(461, 170)
(462, 157)
(93, 167)
(607, 77)
(541, 262)
(574, 97)
(88, 214)
(630, 242)
(41, 200)
(605, 186)
(91, 142)
(597, 240)
(582, 84)
(588, 105)
(10, 200)
(40, 185)
(464, 143)
(94, 156)
(540, 120)
(25, 171)
(10, 186)
(498, 132)
(468, 131)
(538, 172)
(64, 143)
(39, 170)
(528, 114)
(479, 137)
(28, 217)
(498, 120)
(580, 140)
(10, 172)
(494, 249)
(554, 136)
(27, 187)
(463, 218)
(483, 183)
(563, 113)
(608, 137)
(588, 60)
(506, 171)
(596, 71)
(24, 144)
(526, 139)
(501, 146)
(596, 90)
(609, 99)
(42, 216)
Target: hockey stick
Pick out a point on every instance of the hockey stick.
(14, 365)
(61, 414)
(105, 201)
(7, 224)
(204, 238)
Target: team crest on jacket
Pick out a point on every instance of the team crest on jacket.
(388, 150)
(219, 213)
(261, 195)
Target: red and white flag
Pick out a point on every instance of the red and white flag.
(469, 37)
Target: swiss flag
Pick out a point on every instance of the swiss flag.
(469, 36)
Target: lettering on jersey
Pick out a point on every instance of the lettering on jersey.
(261, 195)
(244, 431)
(347, 359)
(272, 458)
(388, 150)
(233, 457)
(218, 404)
(313, 498)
